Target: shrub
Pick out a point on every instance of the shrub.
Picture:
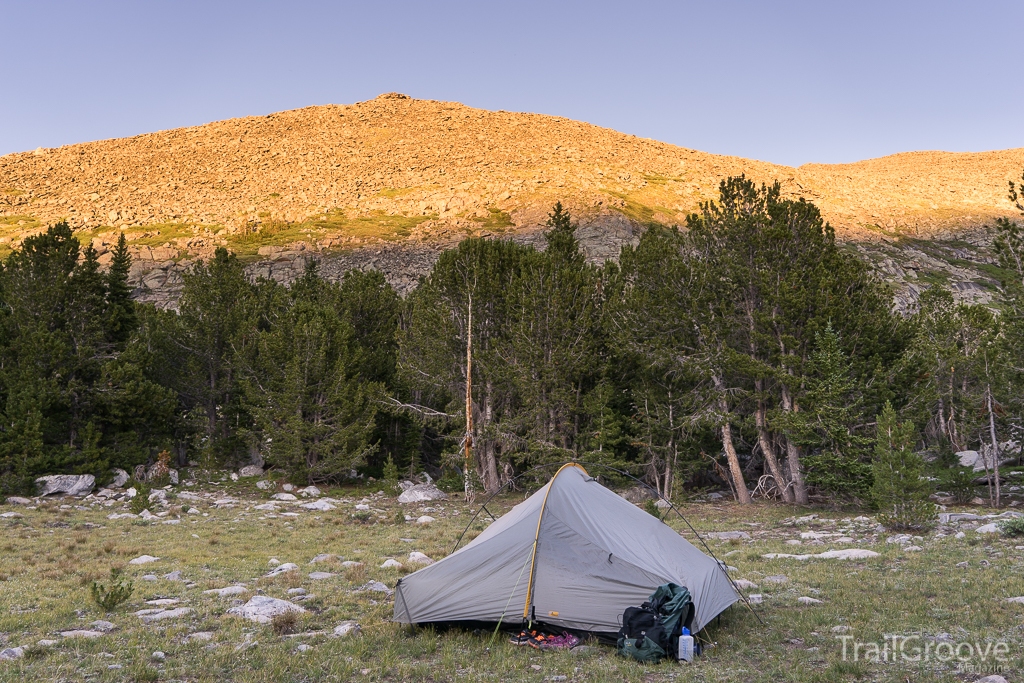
(960, 484)
(120, 590)
(900, 489)
(390, 477)
(141, 500)
(651, 508)
(285, 623)
(1012, 527)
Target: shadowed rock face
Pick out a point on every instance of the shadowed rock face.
(390, 182)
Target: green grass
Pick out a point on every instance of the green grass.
(49, 558)
(637, 211)
(496, 220)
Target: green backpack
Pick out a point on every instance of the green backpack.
(650, 632)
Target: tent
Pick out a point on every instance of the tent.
(572, 556)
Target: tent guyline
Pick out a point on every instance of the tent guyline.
(645, 485)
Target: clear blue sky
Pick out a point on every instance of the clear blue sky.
(788, 82)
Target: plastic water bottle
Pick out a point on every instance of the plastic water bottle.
(685, 646)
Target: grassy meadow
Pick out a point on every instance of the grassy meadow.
(50, 555)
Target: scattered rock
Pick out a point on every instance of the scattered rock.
(992, 678)
(419, 558)
(281, 569)
(81, 633)
(150, 577)
(163, 602)
(745, 585)
(728, 535)
(321, 505)
(374, 587)
(1018, 600)
(199, 637)
(425, 519)
(351, 563)
(11, 515)
(850, 554)
(12, 653)
(68, 484)
(390, 563)
(262, 609)
(322, 557)
(912, 548)
(288, 487)
(842, 628)
(18, 500)
(320, 576)
(104, 626)
(310, 492)
(283, 496)
(960, 534)
(264, 485)
(226, 591)
(46, 643)
(158, 656)
(266, 507)
(251, 471)
(421, 493)
(173, 576)
(144, 559)
(296, 591)
(303, 647)
(362, 507)
(120, 478)
(776, 578)
(755, 598)
(160, 615)
(804, 600)
(988, 529)
(347, 628)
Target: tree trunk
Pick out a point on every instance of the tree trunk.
(730, 450)
(793, 455)
(742, 494)
(769, 454)
(995, 442)
(489, 462)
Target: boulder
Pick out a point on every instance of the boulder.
(310, 492)
(988, 529)
(251, 471)
(320, 576)
(262, 609)
(744, 584)
(104, 626)
(850, 554)
(264, 485)
(391, 564)
(374, 587)
(143, 559)
(808, 601)
(120, 478)
(728, 535)
(226, 591)
(320, 505)
(81, 633)
(68, 484)
(162, 614)
(419, 558)
(281, 569)
(18, 500)
(11, 515)
(347, 628)
(322, 557)
(421, 493)
(13, 653)
(283, 496)
(425, 519)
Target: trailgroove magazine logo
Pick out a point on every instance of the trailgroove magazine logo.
(971, 656)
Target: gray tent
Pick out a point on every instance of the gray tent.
(574, 555)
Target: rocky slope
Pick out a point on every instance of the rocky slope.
(389, 182)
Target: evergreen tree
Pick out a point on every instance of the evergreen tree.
(900, 489)
(121, 318)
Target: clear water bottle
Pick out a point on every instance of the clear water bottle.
(685, 646)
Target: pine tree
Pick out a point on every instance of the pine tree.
(900, 489)
(121, 318)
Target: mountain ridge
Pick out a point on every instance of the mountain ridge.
(393, 171)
